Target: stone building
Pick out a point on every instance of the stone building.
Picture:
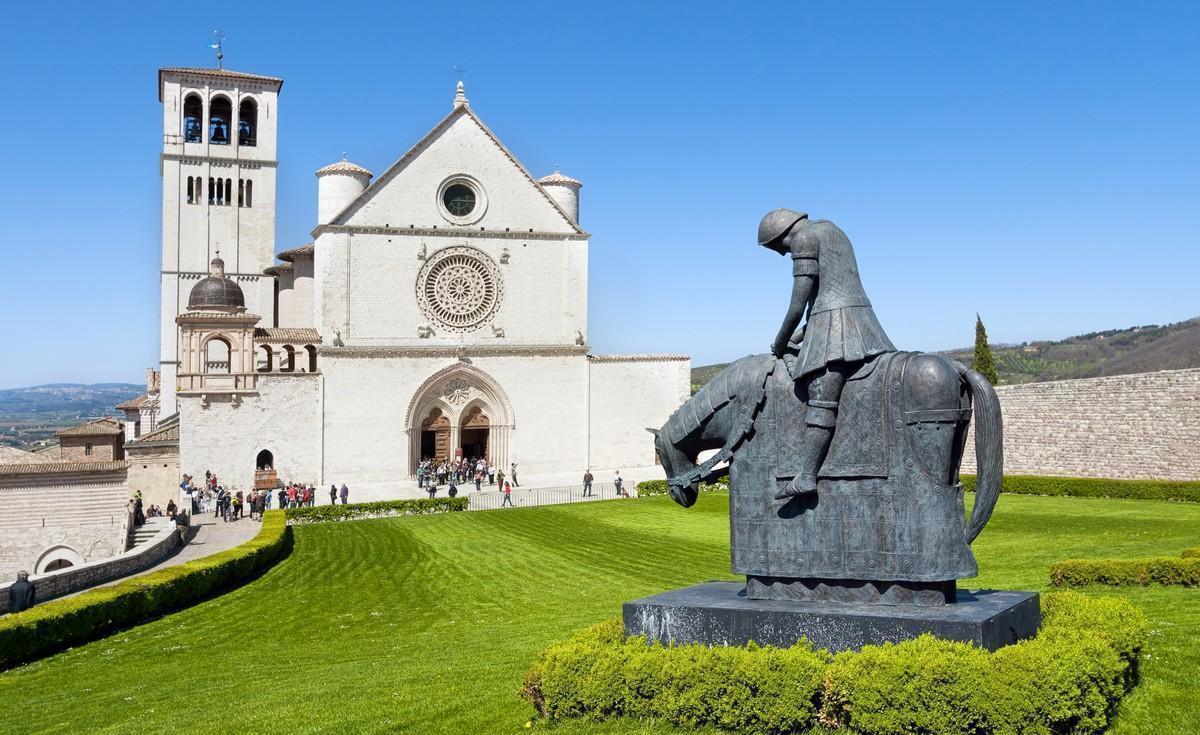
(154, 464)
(102, 440)
(57, 514)
(441, 309)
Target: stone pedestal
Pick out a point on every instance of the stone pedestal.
(720, 613)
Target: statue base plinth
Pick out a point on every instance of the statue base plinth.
(720, 614)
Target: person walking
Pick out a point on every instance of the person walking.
(507, 496)
(620, 485)
(587, 483)
(512, 471)
(21, 593)
(478, 480)
(345, 494)
(500, 478)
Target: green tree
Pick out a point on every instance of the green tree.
(985, 364)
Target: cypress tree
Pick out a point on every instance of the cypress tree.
(985, 364)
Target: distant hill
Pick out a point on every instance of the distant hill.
(30, 416)
(1141, 349)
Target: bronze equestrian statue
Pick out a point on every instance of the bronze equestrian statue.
(843, 453)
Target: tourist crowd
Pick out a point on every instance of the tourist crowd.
(230, 505)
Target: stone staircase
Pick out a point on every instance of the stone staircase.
(147, 531)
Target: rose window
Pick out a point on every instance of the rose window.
(459, 288)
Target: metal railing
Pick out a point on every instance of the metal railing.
(492, 499)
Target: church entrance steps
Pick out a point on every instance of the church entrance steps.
(146, 531)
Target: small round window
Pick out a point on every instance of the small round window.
(459, 199)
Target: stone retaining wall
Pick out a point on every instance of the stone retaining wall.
(74, 579)
(1143, 426)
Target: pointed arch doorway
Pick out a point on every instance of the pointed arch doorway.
(459, 411)
(473, 436)
(435, 436)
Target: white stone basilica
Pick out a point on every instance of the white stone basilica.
(441, 308)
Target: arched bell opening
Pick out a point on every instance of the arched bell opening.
(247, 123)
(193, 119)
(220, 117)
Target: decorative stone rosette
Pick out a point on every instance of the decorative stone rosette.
(459, 288)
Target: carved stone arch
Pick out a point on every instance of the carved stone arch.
(52, 558)
(482, 385)
(456, 390)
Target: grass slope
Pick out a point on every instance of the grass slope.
(426, 624)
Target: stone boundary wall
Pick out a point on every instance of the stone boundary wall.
(1141, 426)
(90, 574)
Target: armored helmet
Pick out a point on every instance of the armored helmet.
(776, 223)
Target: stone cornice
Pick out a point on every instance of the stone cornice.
(219, 160)
(498, 350)
(447, 232)
(639, 358)
(194, 317)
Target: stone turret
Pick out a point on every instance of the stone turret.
(564, 190)
(338, 184)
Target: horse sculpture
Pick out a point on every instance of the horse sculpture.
(887, 523)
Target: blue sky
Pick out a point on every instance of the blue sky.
(1033, 162)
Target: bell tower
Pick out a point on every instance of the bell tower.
(218, 176)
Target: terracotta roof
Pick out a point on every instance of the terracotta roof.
(303, 250)
(558, 177)
(100, 427)
(133, 403)
(12, 455)
(343, 167)
(278, 268)
(161, 435)
(292, 335)
(215, 73)
(46, 468)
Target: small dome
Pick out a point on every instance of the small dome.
(343, 167)
(558, 177)
(216, 291)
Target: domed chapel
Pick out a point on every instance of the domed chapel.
(440, 310)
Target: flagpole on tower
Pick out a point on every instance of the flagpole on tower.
(219, 46)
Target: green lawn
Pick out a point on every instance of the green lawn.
(426, 624)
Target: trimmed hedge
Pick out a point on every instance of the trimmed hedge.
(1069, 678)
(1090, 487)
(1170, 571)
(1192, 553)
(646, 488)
(59, 624)
(377, 509)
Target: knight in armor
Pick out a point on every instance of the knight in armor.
(841, 332)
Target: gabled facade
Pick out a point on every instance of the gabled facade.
(440, 311)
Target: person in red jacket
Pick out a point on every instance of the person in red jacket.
(507, 495)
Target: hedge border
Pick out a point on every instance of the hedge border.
(376, 509)
(1069, 678)
(1095, 487)
(1168, 571)
(57, 625)
(649, 488)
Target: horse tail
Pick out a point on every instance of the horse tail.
(989, 449)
